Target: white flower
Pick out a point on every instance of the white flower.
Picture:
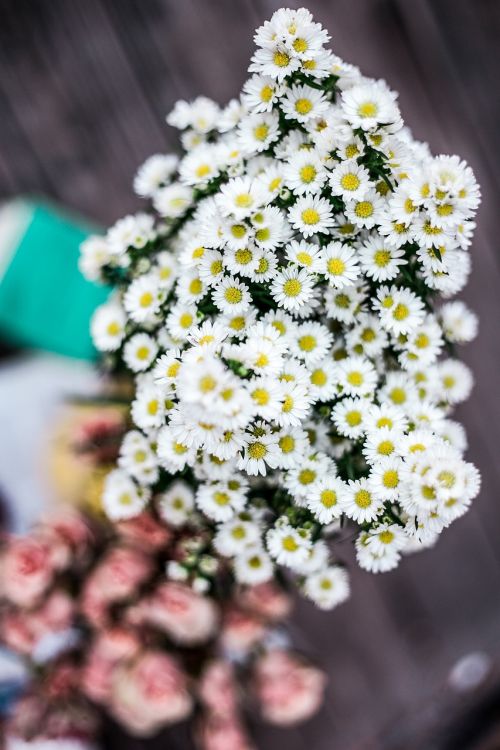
(122, 498)
(240, 197)
(275, 61)
(292, 287)
(260, 451)
(365, 211)
(292, 444)
(324, 499)
(455, 381)
(400, 310)
(235, 536)
(459, 323)
(258, 131)
(131, 231)
(305, 172)
(260, 93)
(349, 416)
(173, 201)
(369, 105)
(349, 180)
(356, 376)
(311, 215)
(138, 459)
(311, 342)
(218, 501)
(288, 546)
(303, 103)
(108, 326)
(201, 114)
(231, 296)
(359, 501)
(328, 587)
(176, 503)
(253, 566)
(142, 298)
(379, 260)
(306, 255)
(154, 173)
(94, 254)
(340, 264)
(374, 558)
(386, 478)
(139, 352)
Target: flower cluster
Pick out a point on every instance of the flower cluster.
(91, 610)
(280, 314)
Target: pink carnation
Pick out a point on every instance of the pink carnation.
(187, 617)
(267, 600)
(110, 647)
(145, 532)
(288, 690)
(116, 578)
(26, 570)
(217, 688)
(241, 631)
(149, 693)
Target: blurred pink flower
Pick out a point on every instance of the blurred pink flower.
(187, 617)
(26, 570)
(149, 693)
(223, 733)
(107, 651)
(267, 600)
(217, 688)
(288, 690)
(145, 532)
(241, 631)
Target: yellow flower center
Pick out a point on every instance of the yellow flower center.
(367, 109)
(308, 173)
(243, 257)
(353, 418)
(350, 181)
(186, 320)
(257, 450)
(303, 106)
(307, 343)
(363, 499)
(142, 352)
(266, 93)
(233, 295)
(335, 266)
(238, 230)
(292, 287)
(286, 444)
(281, 59)
(328, 498)
(364, 209)
(113, 328)
(196, 286)
(319, 378)
(385, 448)
(261, 132)
(382, 258)
(390, 479)
(146, 299)
(310, 216)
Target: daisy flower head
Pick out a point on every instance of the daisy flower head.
(288, 546)
(260, 93)
(292, 287)
(143, 298)
(350, 180)
(381, 555)
(366, 211)
(305, 172)
(400, 310)
(275, 61)
(328, 588)
(379, 260)
(306, 255)
(122, 498)
(324, 500)
(356, 376)
(340, 264)
(359, 502)
(231, 296)
(311, 215)
(303, 103)
(256, 132)
(107, 326)
(176, 504)
(371, 105)
(387, 478)
(240, 197)
(259, 452)
(139, 352)
(154, 173)
(349, 416)
(253, 566)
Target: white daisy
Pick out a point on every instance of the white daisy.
(292, 287)
(349, 180)
(139, 352)
(108, 326)
(176, 503)
(311, 215)
(324, 499)
(305, 172)
(328, 588)
(122, 498)
(359, 501)
(340, 264)
(303, 103)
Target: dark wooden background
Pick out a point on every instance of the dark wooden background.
(84, 87)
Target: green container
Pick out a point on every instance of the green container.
(45, 303)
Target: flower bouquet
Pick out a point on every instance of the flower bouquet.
(283, 313)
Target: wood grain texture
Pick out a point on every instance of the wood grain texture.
(84, 88)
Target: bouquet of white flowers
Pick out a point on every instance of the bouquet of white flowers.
(281, 316)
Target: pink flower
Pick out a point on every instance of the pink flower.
(145, 532)
(149, 693)
(217, 689)
(26, 570)
(68, 535)
(267, 600)
(218, 733)
(187, 617)
(241, 631)
(24, 631)
(116, 578)
(288, 690)
(110, 647)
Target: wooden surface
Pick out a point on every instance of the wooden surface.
(84, 87)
